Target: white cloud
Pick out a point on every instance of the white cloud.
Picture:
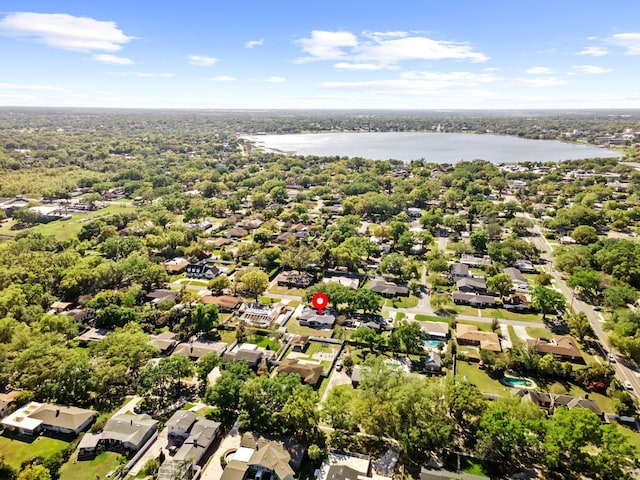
(254, 43)
(591, 69)
(325, 45)
(363, 66)
(274, 79)
(420, 83)
(222, 78)
(630, 41)
(418, 48)
(64, 31)
(202, 60)
(144, 74)
(539, 71)
(113, 59)
(537, 82)
(593, 51)
(34, 88)
(382, 48)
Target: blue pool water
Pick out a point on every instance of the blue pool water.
(517, 382)
(431, 343)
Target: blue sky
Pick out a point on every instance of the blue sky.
(405, 54)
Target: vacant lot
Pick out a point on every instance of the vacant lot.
(20, 448)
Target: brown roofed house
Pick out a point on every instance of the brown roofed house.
(176, 266)
(226, 303)
(470, 335)
(59, 307)
(310, 373)
(562, 347)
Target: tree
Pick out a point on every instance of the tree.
(547, 300)
(409, 335)
(500, 283)
(204, 318)
(588, 283)
(34, 472)
(337, 409)
(225, 393)
(393, 264)
(300, 414)
(580, 326)
(619, 296)
(585, 234)
(439, 300)
(218, 284)
(368, 336)
(368, 301)
(478, 240)
(254, 282)
(206, 364)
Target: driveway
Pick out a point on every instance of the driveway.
(336, 378)
(213, 469)
(153, 452)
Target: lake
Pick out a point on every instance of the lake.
(433, 147)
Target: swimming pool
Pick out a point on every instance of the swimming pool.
(517, 382)
(431, 343)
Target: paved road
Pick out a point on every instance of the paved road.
(623, 373)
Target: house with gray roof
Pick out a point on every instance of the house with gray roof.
(122, 433)
(388, 289)
(472, 284)
(36, 417)
(310, 318)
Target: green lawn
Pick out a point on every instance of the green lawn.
(90, 469)
(296, 292)
(631, 434)
(480, 378)
(268, 300)
(515, 340)
(294, 327)
(538, 332)
(227, 336)
(431, 318)
(263, 341)
(510, 315)
(402, 302)
(399, 316)
(485, 326)
(63, 229)
(20, 448)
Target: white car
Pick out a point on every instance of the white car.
(611, 358)
(628, 385)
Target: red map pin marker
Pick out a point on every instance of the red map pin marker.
(320, 301)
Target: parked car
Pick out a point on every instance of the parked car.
(611, 358)
(339, 365)
(628, 385)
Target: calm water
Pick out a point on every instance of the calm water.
(434, 147)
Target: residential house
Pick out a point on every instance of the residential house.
(226, 303)
(6, 401)
(473, 261)
(264, 315)
(248, 352)
(518, 302)
(458, 271)
(562, 347)
(350, 282)
(36, 417)
(472, 285)
(123, 433)
(470, 335)
(433, 363)
(165, 341)
(176, 265)
(551, 401)
(295, 280)
(59, 307)
(299, 343)
(525, 266)
(473, 299)
(353, 466)
(310, 318)
(260, 457)
(414, 212)
(81, 315)
(237, 232)
(91, 335)
(198, 347)
(435, 330)
(202, 269)
(219, 242)
(388, 289)
(180, 423)
(309, 373)
(519, 282)
(159, 295)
